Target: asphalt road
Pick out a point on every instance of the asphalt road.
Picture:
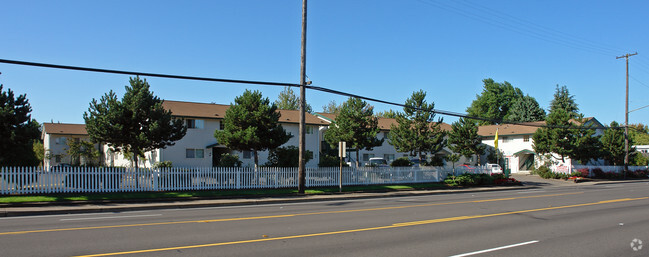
(592, 220)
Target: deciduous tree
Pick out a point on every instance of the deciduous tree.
(495, 101)
(613, 144)
(526, 109)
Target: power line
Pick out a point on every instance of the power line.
(322, 89)
(137, 73)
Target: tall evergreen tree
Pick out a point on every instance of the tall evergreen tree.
(136, 124)
(495, 101)
(18, 131)
(526, 109)
(464, 139)
(613, 144)
(356, 125)
(565, 101)
(566, 133)
(287, 100)
(252, 124)
(417, 132)
(389, 114)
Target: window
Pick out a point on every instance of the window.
(247, 154)
(221, 126)
(57, 158)
(194, 153)
(507, 139)
(194, 124)
(526, 138)
(367, 156)
(60, 140)
(388, 157)
(309, 129)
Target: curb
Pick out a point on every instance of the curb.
(103, 207)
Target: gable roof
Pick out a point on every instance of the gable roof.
(217, 111)
(64, 129)
(526, 128)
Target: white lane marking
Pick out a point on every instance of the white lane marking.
(495, 249)
(112, 217)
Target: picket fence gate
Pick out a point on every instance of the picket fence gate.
(36, 180)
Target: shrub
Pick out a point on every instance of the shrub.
(598, 173)
(582, 172)
(401, 162)
(330, 161)
(164, 164)
(229, 160)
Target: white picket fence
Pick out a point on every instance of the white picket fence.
(34, 180)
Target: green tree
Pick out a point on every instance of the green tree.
(390, 114)
(356, 125)
(82, 152)
(526, 109)
(417, 132)
(252, 124)
(39, 151)
(287, 100)
(639, 133)
(565, 101)
(566, 133)
(287, 157)
(136, 124)
(332, 107)
(453, 158)
(613, 144)
(464, 139)
(495, 101)
(18, 131)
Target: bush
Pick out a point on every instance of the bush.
(330, 161)
(164, 164)
(229, 160)
(582, 172)
(401, 162)
(287, 157)
(478, 179)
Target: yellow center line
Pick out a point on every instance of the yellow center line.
(396, 225)
(280, 216)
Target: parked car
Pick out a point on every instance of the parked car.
(377, 162)
(494, 168)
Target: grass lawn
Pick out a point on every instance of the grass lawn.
(211, 194)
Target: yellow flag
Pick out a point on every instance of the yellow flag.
(496, 140)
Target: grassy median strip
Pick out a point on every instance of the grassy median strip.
(212, 193)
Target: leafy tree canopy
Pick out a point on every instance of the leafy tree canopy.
(526, 109)
(252, 124)
(639, 133)
(332, 107)
(495, 101)
(18, 131)
(390, 114)
(417, 132)
(356, 125)
(136, 124)
(287, 100)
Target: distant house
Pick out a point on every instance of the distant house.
(55, 137)
(515, 141)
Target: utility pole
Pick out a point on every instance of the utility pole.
(626, 115)
(301, 170)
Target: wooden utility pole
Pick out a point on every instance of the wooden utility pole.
(626, 115)
(301, 169)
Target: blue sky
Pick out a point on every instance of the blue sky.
(379, 49)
